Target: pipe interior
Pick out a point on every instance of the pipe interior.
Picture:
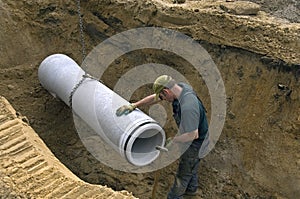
(143, 147)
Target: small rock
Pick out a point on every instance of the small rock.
(214, 170)
(266, 59)
(178, 1)
(6, 179)
(238, 196)
(31, 121)
(241, 7)
(25, 119)
(10, 87)
(231, 115)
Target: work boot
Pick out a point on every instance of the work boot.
(190, 193)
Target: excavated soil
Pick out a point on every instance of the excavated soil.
(29, 170)
(258, 153)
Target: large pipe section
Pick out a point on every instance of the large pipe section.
(135, 135)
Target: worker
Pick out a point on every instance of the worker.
(190, 116)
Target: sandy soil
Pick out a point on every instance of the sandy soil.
(257, 155)
(28, 169)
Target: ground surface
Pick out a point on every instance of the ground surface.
(257, 155)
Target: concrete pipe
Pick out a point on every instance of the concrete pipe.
(135, 136)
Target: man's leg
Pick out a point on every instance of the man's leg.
(181, 181)
(193, 184)
(185, 176)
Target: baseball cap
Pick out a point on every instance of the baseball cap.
(160, 83)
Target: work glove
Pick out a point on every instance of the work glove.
(169, 142)
(124, 110)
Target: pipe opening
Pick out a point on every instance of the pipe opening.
(145, 145)
(141, 147)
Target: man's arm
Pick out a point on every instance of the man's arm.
(186, 137)
(150, 99)
(126, 109)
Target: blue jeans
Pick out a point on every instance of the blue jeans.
(186, 178)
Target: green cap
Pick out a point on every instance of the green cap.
(160, 83)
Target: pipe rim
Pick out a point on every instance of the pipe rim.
(148, 156)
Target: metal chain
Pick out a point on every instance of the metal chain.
(85, 75)
(81, 30)
(83, 54)
(74, 89)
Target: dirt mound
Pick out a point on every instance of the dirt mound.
(29, 170)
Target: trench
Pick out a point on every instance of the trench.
(259, 146)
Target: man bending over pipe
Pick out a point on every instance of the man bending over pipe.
(189, 114)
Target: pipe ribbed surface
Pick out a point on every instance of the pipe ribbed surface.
(135, 135)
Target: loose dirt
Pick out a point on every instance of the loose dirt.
(29, 170)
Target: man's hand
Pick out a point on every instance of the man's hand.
(167, 146)
(169, 142)
(124, 110)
